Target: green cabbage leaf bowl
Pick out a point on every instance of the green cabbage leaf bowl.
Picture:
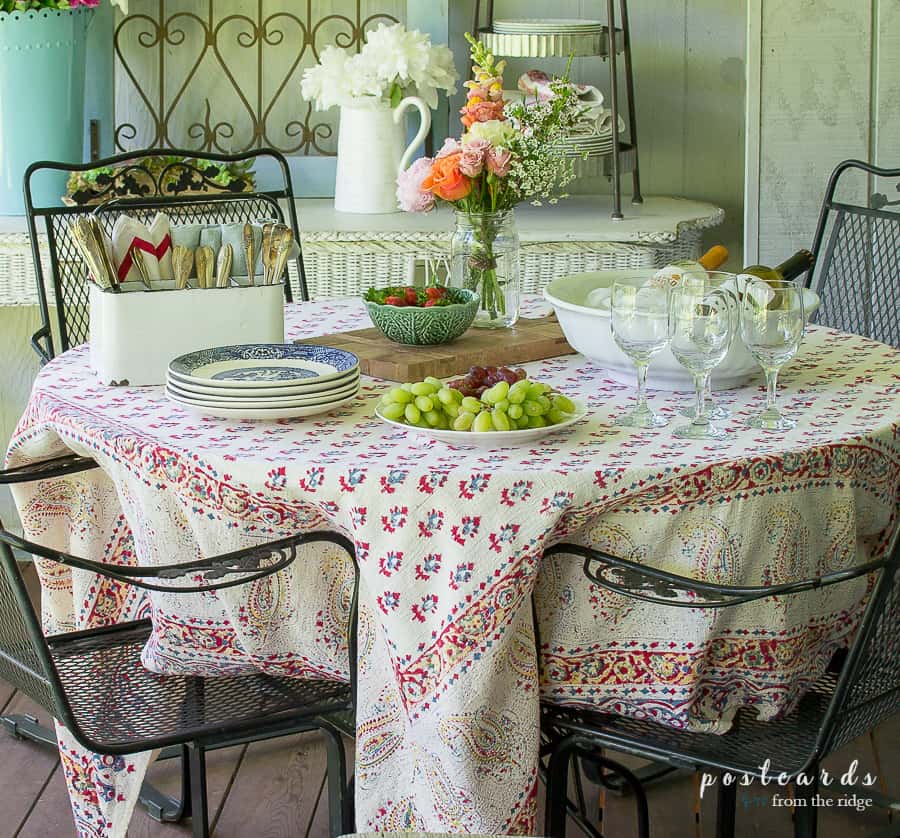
(421, 326)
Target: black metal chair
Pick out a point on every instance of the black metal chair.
(857, 253)
(186, 192)
(841, 706)
(94, 683)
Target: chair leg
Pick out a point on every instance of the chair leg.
(806, 821)
(198, 798)
(163, 808)
(726, 804)
(557, 781)
(557, 787)
(340, 804)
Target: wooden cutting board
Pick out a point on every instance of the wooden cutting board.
(528, 340)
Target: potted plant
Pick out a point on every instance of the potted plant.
(42, 69)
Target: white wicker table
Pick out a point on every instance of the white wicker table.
(344, 254)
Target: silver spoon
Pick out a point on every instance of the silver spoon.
(223, 265)
(182, 262)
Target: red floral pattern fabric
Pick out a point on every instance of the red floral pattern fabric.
(449, 541)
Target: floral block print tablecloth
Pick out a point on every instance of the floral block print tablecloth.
(449, 542)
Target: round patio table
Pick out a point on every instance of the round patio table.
(449, 541)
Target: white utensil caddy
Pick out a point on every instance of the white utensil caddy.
(135, 333)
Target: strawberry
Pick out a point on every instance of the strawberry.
(435, 292)
(430, 303)
(411, 296)
(394, 301)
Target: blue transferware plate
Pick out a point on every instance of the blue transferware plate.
(263, 365)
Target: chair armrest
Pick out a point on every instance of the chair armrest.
(56, 467)
(44, 352)
(248, 565)
(662, 588)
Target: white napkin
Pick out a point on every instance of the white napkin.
(154, 241)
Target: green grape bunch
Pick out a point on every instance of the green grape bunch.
(502, 407)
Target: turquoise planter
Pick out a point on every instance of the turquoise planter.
(42, 59)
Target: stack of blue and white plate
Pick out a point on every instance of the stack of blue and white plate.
(264, 381)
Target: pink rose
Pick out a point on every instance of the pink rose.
(410, 194)
(450, 146)
(471, 163)
(498, 161)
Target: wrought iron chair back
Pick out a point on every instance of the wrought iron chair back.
(184, 190)
(857, 252)
(24, 661)
(94, 683)
(868, 690)
(864, 693)
(24, 664)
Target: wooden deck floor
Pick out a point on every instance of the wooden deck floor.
(275, 789)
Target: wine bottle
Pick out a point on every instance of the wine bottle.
(789, 269)
(713, 259)
(797, 264)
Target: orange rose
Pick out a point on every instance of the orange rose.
(446, 180)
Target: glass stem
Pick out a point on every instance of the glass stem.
(771, 389)
(642, 405)
(700, 383)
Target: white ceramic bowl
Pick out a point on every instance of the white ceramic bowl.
(581, 305)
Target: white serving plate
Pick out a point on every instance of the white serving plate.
(516, 25)
(578, 299)
(490, 439)
(250, 366)
(236, 398)
(202, 391)
(260, 413)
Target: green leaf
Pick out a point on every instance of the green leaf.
(396, 95)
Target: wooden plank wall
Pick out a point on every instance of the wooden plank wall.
(828, 89)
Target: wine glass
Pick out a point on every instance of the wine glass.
(639, 322)
(714, 411)
(772, 321)
(701, 327)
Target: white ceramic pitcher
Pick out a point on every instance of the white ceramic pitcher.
(371, 155)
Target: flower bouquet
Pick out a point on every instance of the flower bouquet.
(508, 154)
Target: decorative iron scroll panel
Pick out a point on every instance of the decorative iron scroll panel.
(224, 75)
